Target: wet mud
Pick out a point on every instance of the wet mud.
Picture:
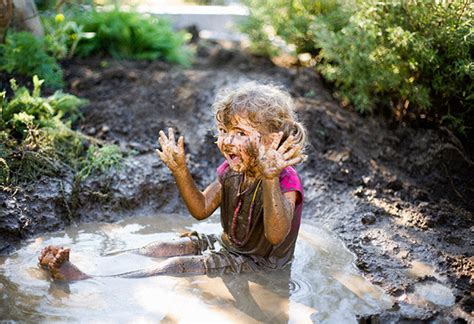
(400, 198)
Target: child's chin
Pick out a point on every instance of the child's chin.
(237, 167)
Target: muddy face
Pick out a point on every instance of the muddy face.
(236, 141)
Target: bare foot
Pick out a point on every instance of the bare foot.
(56, 261)
(47, 255)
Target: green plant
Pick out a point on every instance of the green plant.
(132, 35)
(414, 56)
(24, 54)
(100, 159)
(273, 22)
(36, 137)
(63, 35)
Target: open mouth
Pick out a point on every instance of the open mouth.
(234, 158)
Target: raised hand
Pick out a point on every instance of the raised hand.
(271, 159)
(172, 152)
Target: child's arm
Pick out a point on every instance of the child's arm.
(200, 204)
(278, 208)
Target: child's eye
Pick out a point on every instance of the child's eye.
(222, 130)
(241, 134)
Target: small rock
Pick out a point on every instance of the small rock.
(421, 195)
(366, 239)
(138, 147)
(10, 204)
(395, 184)
(368, 218)
(132, 76)
(91, 131)
(366, 180)
(359, 192)
(404, 254)
(370, 192)
(423, 204)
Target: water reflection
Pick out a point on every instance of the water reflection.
(321, 285)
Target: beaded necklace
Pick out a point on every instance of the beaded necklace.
(233, 228)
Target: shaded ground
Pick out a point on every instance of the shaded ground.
(400, 198)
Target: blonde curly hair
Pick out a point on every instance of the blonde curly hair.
(269, 108)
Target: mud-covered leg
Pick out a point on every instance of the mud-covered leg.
(187, 245)
(56, 261)
(177, 247)
(180, 265)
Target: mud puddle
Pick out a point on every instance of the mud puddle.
(322, 284)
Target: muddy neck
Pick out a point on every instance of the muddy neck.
(249, 178)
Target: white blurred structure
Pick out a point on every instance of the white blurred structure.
(215, 22)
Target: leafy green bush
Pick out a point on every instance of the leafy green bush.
(131, 35)
(24, 54)
(289, 21)
(412, 56)
(36, 138)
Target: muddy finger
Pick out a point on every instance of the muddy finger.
(161, 141)
(287, 144)
(181, 144)
(294, 161)
(171, 135)
(162, 135)
(277, 140)
(292, 153)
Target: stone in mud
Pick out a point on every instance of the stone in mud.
(435, 293)
(395, 184)
(368, 218)
(140, 148)
(359, 192)
(367, 181)
(413, 312)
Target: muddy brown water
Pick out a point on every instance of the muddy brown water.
(322, 284)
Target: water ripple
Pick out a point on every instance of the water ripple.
(300, 288)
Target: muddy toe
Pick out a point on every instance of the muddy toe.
(47, 255)
(61, 256)
(57, 261)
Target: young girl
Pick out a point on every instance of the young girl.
(258, 190)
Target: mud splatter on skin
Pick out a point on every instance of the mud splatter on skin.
(398, 197)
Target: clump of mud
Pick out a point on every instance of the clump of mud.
(401, 199)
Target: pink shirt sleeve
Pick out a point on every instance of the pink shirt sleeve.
(290, 181)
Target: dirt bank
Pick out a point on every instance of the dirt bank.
(400, 198)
